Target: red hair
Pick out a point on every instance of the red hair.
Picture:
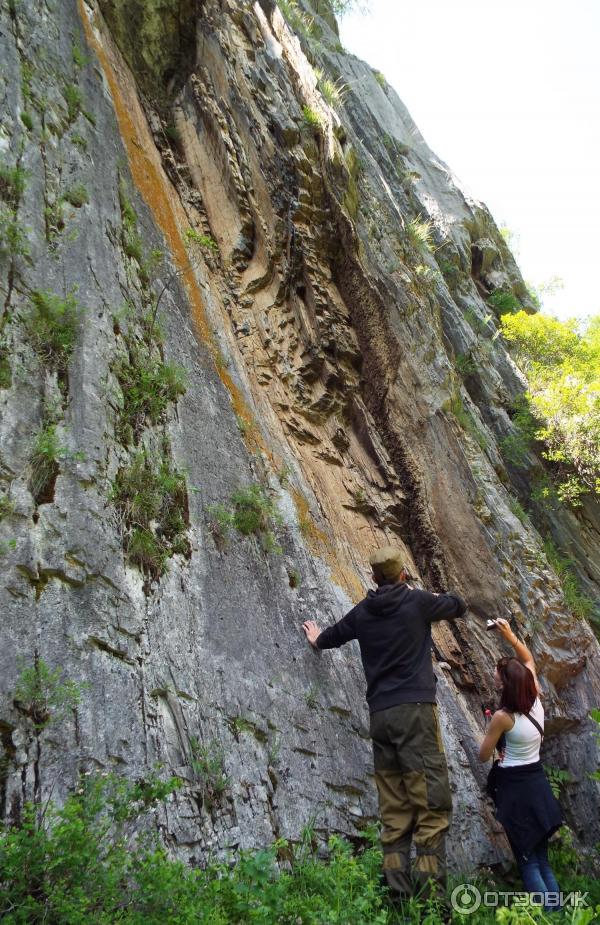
(518, 685)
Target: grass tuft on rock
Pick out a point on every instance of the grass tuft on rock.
(52, 325)
(151, 499)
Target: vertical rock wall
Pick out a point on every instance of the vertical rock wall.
(211, 211)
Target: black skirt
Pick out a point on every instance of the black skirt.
(526, 806)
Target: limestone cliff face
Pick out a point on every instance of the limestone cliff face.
(193, 198)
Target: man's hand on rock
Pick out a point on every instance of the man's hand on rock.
(312, 632)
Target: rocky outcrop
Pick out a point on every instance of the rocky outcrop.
(320, 278)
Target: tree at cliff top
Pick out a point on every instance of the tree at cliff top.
(561, 360)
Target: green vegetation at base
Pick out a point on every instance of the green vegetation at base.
(561, 409)
(151, 498)
(557, 778)
(252, 512)
(98, 860)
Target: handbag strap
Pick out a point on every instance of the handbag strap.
(537, 725)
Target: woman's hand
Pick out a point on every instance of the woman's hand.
(505, 630)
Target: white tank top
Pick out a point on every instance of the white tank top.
(523, 740)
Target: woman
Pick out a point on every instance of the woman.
(525, 804)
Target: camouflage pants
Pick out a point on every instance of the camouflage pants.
(414, 796)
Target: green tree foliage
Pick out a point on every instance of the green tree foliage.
(561, 360)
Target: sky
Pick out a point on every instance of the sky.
(508, 95)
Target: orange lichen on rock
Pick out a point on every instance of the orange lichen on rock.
(150, 179)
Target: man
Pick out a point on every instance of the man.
(393, 628)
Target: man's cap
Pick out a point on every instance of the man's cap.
(387, 562)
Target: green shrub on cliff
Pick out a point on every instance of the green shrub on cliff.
(252, 513)
(52, 325)
(562, 362)
(149, 386)
(578, 603)
(151, 499)
(298, 21)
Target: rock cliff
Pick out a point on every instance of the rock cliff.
(245, 338)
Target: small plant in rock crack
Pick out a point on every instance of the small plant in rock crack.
(7, 507)
(5, 367)
(297, 20)
(151, 499)
(465, 365)
(253, 512)
(148, 385)
(333, 92)
(311, 698)
(208, 765)
(13, 236)
(12, 184)
(46, 453)
(504, 302)
(518, 510)
(311, 117)
(557, 778)
(74, 101)
(43, 694)
(77, 196)
(420, 233)
(52, 325)
(204, 240)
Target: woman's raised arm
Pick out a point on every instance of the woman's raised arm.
(521, 650)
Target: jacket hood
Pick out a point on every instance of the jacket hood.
(387, 597)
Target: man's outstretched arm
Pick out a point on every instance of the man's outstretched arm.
(447, 606)
(332, 637)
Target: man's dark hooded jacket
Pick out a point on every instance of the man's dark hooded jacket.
(393, 628)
